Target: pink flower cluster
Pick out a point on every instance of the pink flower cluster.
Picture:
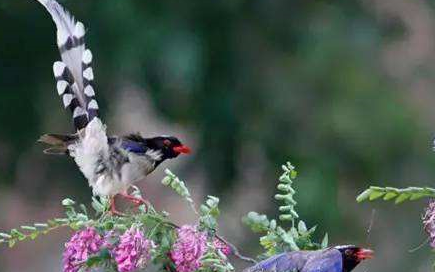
(187, 251)
(133, 250)
(82, 245)
(222, 246)
(429, 222)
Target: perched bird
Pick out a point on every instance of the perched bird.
(111, 164)
(333, 259)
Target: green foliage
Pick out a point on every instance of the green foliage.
(155, 226)
(74, 220)
(276, 238)
(179, 187)
(287, 210)
(209, 212)
(396, 194)
(215, 260)
(399, 196)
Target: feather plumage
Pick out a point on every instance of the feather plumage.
(328, 260)
(74, 73)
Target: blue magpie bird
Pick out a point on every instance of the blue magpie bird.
(110, 164)
(334, 259)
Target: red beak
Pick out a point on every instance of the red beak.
(181, 149)
(364, 254)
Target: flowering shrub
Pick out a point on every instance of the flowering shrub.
(145, 238)
(406, 194)
(133, 250)
(429, 222)
(276, 238)
(189, 248)
(82, 245)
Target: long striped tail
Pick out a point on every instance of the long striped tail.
(74, 74)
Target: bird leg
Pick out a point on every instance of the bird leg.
(113, 209)
(137, 201)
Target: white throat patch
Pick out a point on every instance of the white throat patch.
(154, 154)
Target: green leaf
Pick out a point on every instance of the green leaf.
(33, 235)
(257, 222)
(375, 195)
(41, 225)
(286, 217)
(283, 187)
(402, 197)
(5, 235)
(272, 224)
(390, 195)
(28, 228)
(166, 180)
(312, 230)
(83, 208)
(52, 223)
(61, 220)
(68, 202)
(302, 228)
(288, 239)
(364, 195)
(18, 235)
(96, 205)
(12, 242)
(417, 195)
(324, 243)
(294, 232)
(93, 261)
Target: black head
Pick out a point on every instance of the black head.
(353, 255)
(169, 146)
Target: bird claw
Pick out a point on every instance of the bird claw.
(116, 212)
(137, 201)
(113, 210)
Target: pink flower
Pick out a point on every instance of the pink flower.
(80, 247)
(222, 246)
(187, 251)
(133, 251)
(429, 222)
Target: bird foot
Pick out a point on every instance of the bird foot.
(137, 201)
(113, 209)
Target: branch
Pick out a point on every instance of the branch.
(399, 195)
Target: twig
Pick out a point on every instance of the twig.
(235, 251)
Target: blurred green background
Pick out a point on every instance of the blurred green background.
(343, 89)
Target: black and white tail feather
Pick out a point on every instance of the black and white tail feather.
(74, 74)
(74, 83)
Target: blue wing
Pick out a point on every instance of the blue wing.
(284, 262)
(133, 146)
(329, 260)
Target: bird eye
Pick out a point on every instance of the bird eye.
(167, 142)
(348, 252)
